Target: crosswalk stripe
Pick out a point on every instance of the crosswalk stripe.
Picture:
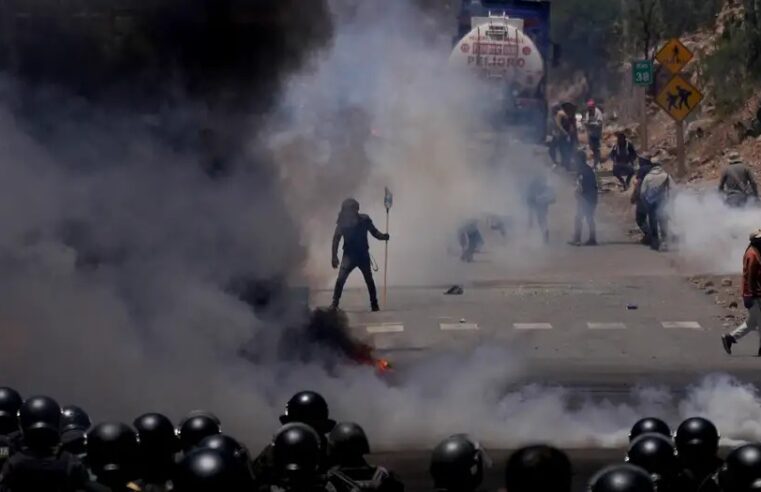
(458, 326)
(385, 328)
(532, 326)
(689, 325)
(606, 326)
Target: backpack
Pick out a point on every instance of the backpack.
(653, 195)
(338, 481)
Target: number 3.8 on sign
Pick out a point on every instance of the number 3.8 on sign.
(642, 72)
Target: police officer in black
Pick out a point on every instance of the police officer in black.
(622, 478)
(75, 423)
(237, 453)
(306, 407)
(195, 427)
(40, 464)
(10, 403)
(741, 471)
(655, 454)
(206, 470)
(353, 228)
(540, 467)
(112, 456)
(457, 465)
(347, 447)
(697, 445)
(157, 448)
(297, 461)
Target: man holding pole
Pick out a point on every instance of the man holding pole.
(353, 228)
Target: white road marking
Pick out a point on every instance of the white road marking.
(458, 326)
(606, 326)
(385, 328)
(532, 326)
(688, 325)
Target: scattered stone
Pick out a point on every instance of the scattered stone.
(727, 282)
(708, 283)
(710, 292)
(733, 304)
(455, 290)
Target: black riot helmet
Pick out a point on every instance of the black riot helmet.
(347, 444)
(112, 452)
(741, 471)
(206, 470)
(74, 418)
(654, 453)
(226, 445)
(649, 425)
(196, 426)
(622, 478)
(10, 403)
(540, 467)
(296, 451)
(156, 435)
(308, 407)
(40, 421)
(697, 441)
(456, 464)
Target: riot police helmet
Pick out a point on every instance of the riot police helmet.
(296, 449)
(196, 426)
(40, 421)
(348, 443)
(74, 418)
(654, 453)
(156, 434)
(456, 464)
(205, 470)
(697, 440)
(741, 471)
(227, 445)
(649, 425)
(536, 468)
(622, 478)
(10, 403)
(308, 407)
(112, 452)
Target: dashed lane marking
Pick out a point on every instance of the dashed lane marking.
(458, 326)
(532, 326)
(606, 326)
(385, 328)
(687, 325)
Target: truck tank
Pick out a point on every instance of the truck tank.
(506, 42)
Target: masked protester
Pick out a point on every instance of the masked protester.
(347, 447)
(567, 135)
(623, 154)
(593, 121)
(353, 228)
(586, 201)
(751, 294)
(40, 464)
(540, 196)
(655, 192)
(641, 211)
(535, 468)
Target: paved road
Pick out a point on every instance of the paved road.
(610, 315)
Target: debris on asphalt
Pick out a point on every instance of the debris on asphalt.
(707, 283)
(733, 304)
(711, 292)
(455, 290)
(727, 282)
(632, 307)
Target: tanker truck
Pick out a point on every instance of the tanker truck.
(507, 44)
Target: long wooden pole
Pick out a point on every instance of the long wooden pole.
(385, 266)
(680, 154)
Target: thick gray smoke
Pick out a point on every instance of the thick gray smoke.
(116, 249)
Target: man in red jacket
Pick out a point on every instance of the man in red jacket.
(751, 294)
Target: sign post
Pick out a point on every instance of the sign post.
(388, 200)
(679, 97)
(642, 76)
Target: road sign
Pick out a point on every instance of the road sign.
(642, 72)
(679, 98)
(674, 56)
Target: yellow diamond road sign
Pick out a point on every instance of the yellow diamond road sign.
(679, 98)
(674, 56)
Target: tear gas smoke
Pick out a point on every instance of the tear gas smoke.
(712, 236)
(116, 250)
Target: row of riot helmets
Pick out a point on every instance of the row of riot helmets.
(46, 447)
